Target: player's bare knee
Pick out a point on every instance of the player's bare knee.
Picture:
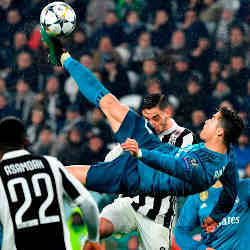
(80, 172)
(108, 102)
(106, 227)
(114, 111)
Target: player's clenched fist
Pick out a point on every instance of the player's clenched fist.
(131, 145)
(92, 246)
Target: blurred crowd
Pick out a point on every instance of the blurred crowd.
(196, 52)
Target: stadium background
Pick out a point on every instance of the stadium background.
(194, 51)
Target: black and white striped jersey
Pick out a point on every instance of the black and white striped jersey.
(31, 208)
(178, 136)
(163, 211)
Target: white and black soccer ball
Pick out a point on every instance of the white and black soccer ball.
(58, 19)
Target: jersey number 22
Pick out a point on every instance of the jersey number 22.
(42, 218)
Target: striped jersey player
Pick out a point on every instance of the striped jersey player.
(31, 193)
(159, 212)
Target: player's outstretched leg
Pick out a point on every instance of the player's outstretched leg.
(127, 175)
(87, 82)
(107, 177)
(79, 171)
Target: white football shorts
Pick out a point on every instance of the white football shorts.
(125, 219)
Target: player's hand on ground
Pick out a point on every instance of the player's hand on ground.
(92, 246)
(209, 225)
(131, 145)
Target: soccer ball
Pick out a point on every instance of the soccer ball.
(58, 19)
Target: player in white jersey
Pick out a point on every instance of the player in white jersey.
(152, 217)
(31, 193)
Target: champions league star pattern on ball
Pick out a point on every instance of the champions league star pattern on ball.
(58, 19)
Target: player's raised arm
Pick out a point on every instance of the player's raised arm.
(230, 181)
(187, 168)
(87, 82)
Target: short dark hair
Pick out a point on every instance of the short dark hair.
(12, 134)
(237, 26)
(155, 100)
(232, 124)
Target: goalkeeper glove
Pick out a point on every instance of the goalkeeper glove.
(55, 48)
